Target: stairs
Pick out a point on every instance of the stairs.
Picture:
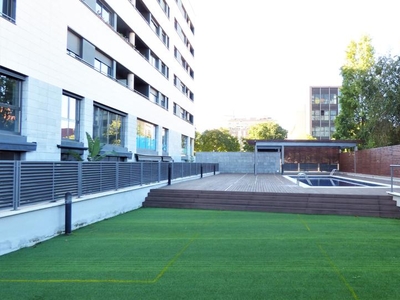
(298, 203)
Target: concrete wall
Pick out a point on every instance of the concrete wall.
(241, 162)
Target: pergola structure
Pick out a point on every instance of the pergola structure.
(279, 146)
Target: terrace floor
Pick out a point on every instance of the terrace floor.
(276, 183)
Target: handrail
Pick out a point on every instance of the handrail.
(306, 177)
(391, 176)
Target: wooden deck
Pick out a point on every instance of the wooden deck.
(275, 193)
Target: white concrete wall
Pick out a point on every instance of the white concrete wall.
(32, 224)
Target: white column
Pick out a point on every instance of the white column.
(131, 37)
(131, 81)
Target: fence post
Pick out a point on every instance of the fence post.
(214, 169)
(68, 212)
(17, 184)
(201, 171)
(169, 173)
(80, 176)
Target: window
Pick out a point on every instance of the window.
(103, 63)
(146, 135)
(70, 108)
(108, 125)
(8, 8)
(184, 145)
(104, 12)
(164, 133)
(10, 101)
(155, 26)
(158, 98)
(74, 44)
(164, 7)
(153, 95)
(183, 114)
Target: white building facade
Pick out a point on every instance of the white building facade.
(120, 70)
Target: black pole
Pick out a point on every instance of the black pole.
(68, 211)
(169, 174)
(201, 171)
(214, 169)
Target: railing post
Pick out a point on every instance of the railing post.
(80, 176)
(17, 184)
(214, 169)
(117, 176)
(68, 212)
(169, 173)
(391, 178)
(201, 171)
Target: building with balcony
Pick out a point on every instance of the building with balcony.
(324, 109)
(121, 71)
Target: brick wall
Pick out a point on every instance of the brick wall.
(375, 161)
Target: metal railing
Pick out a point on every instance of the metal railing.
(391, 175)
(300, 175)
(25, 182)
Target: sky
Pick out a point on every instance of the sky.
(258, 58)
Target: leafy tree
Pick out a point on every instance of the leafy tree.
(356, 89)
(218, 140)
(384, 104)
(264, 131)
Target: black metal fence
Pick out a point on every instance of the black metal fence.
(25, 182)
(297, 167)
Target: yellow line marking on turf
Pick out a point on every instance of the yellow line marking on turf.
(337, 271)
(150, 281)
(304, 223)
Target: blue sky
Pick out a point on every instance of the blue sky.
(258, 58)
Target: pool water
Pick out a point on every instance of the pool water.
(315, 180)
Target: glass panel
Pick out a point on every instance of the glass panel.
(9, 103)
(69, 118)
(108, 127)
(146, 135)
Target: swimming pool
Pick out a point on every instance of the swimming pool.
(328, 180)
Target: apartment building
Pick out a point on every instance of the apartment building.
(324, 109)
(120, 70)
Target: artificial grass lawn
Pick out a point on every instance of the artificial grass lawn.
(203, 254)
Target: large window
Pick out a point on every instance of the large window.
(10, 101)
(184, 145)
(70, 116)
(8, 8)
(146, 135)
(164, 133)
(108, 125)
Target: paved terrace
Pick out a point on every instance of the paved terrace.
(276, 183)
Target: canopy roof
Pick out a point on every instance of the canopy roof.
(268, 144)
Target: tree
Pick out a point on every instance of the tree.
(216, 140)
(264, 131)
(384, 104)
(356, 89)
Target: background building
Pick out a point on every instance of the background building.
(324, 109)
(122, 71)
(239, 127)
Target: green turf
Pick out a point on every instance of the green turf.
(202, 254)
